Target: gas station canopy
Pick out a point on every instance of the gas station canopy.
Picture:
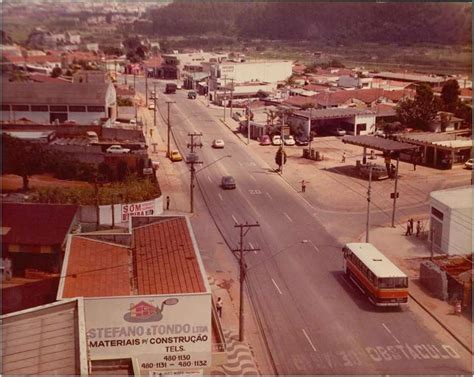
(378, 143)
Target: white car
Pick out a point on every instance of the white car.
(151, 106)
(468, 163)
(276, 140)
(289, 140)
(133, 122)
(118, 149)
(218, 143)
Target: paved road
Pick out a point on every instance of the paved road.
(316, 321)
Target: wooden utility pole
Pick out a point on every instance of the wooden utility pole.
(367, 225)
(231, 97)
(154, 101)
(146, 87)
(169, 128)
(192, 160)
(241, 250)
(395, 194)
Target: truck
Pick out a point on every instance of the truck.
(171, 88)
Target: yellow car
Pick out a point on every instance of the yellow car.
(175, 156)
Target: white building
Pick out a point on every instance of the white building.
(451, 220)
(262, 71)
(45, 103)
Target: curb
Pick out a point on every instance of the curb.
(461, 342)
(233, 131)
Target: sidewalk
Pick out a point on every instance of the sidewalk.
(405, 252)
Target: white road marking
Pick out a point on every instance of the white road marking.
(388, 330)
(288, 217)
(250, 244)
(210, 180)
(276, 286)
(312, 244)
(269, 195)
(309, 341)
(251, 176)
(220, 197)
(235, 220)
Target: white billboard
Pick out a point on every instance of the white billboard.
(162, 332)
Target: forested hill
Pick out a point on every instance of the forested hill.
(443, 23)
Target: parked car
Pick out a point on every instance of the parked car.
(218, 143)
(153, 94)
(276, 140)
(468, 163)
(192, 95)
(236, 116)
(228, 182)
(133, 122)
(265, 140)
(92, 137)
(302, 140)
(288, 140)
(379, 132)
(175, 156)
(151, 106)
(378, 172)
(338, 132)
(118, 149)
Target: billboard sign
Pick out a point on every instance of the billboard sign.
(162, 332)
(137, 209)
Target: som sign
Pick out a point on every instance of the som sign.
(138, 209)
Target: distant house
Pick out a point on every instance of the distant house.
(34, 235)
(445, 121)
(45, 103)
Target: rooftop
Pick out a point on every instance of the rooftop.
(411, 77)
(36, 224)
(460, 197)
(57, 93)
(333, 113)
(378, 143)
(44, 341)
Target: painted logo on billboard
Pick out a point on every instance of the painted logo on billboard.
(146, 312)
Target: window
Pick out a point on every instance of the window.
(437, 213)
(77, 109)
(39, 108)
(96, 109)
(58, 108)
(20, 107)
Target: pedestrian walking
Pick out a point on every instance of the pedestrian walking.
(411, 226)
(168, 200)
(408, 231)
(303, 186)
(219, 305)
(343, 159)
(418, 228)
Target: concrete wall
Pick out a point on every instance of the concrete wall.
(121, 134)
(434, 279)
(42, 117)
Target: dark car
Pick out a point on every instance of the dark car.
(192, 95)
(302, 140)
(228, 182)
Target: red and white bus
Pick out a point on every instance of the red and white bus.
(383, 282)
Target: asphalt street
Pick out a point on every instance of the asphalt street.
(315, 320)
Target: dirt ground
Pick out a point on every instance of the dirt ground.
(10, 182)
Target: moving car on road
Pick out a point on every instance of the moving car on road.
(288, 140)
(468, 163)
(192, 95)
(276, 140)
(117, 149)
(302, 140)
(175, 156)
(151, 106)
(383, 282)
(171, 88)
(228, 182)
(218, 143)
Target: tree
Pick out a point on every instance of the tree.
(419, 112)
(450, 95)
(21, 158)
(56, 72)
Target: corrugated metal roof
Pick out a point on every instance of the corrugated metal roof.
(57, 93)
(411, 77)
(43, 341)
(334, 113)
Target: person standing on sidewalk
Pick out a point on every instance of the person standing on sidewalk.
(168, 200)
(303, 186)
(343, 159)
(408, 231)
(418, 228)
(219, 305)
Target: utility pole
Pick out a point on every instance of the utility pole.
(146, 87)
(243, 267)
(208, 90)
(309, 128)
(134, 79)
(367, 226)
(395, 193)
(231, 96)
(169, 127)
(248, 120)
(154, 102)
(225, 93)
(192, 159)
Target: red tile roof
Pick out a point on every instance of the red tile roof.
(96, 268)
(165, 258)
(36, 224)
(316, 87)
(301, 100)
